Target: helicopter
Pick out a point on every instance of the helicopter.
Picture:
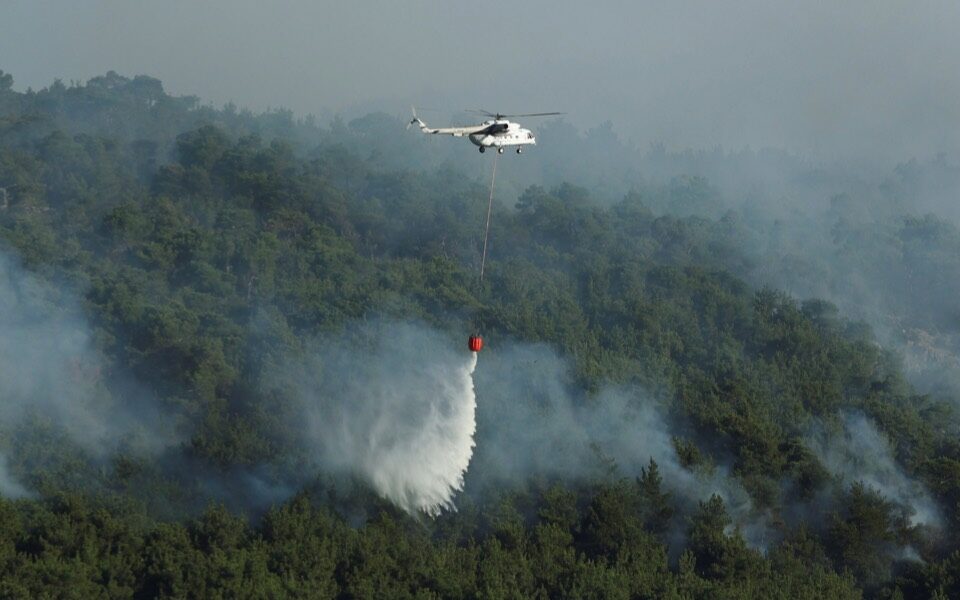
(496, 132)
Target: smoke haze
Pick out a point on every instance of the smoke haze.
(52, 377)
(394, 404)
(534, 423)
(859, 452)
(10, 487)
(404, 422)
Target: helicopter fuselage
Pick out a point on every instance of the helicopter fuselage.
(503, 133)
(498, 132)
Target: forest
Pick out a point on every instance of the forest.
(696, 385)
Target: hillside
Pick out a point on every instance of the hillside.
(167, 265)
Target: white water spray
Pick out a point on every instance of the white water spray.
(424, 469)
(394, 404)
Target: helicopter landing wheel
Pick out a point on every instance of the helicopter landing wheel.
(499, 150)
(519, 150)
(482, 149)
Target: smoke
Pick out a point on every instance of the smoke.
(880, 244)
(534, 422)
(859, 452)
(394, 404)
(53, 379)
(9, 486)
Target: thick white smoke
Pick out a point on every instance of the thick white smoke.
(393, 403)
(859, 452)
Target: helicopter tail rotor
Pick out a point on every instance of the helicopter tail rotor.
(416, 120)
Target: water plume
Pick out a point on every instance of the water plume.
(394, 404)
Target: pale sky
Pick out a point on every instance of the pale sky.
(858, 78)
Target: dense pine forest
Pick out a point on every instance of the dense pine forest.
(164, 262)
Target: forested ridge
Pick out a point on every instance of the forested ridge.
(202, 246)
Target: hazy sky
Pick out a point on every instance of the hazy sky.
(869, 78)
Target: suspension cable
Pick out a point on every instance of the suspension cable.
(486, 231)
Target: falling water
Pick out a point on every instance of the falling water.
(393, 403)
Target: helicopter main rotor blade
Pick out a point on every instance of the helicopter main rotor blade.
(544, 114)
(498, 116)
(503, 116)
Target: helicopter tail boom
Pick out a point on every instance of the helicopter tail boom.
(417, 121)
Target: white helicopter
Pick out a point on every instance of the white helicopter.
(497, 132)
